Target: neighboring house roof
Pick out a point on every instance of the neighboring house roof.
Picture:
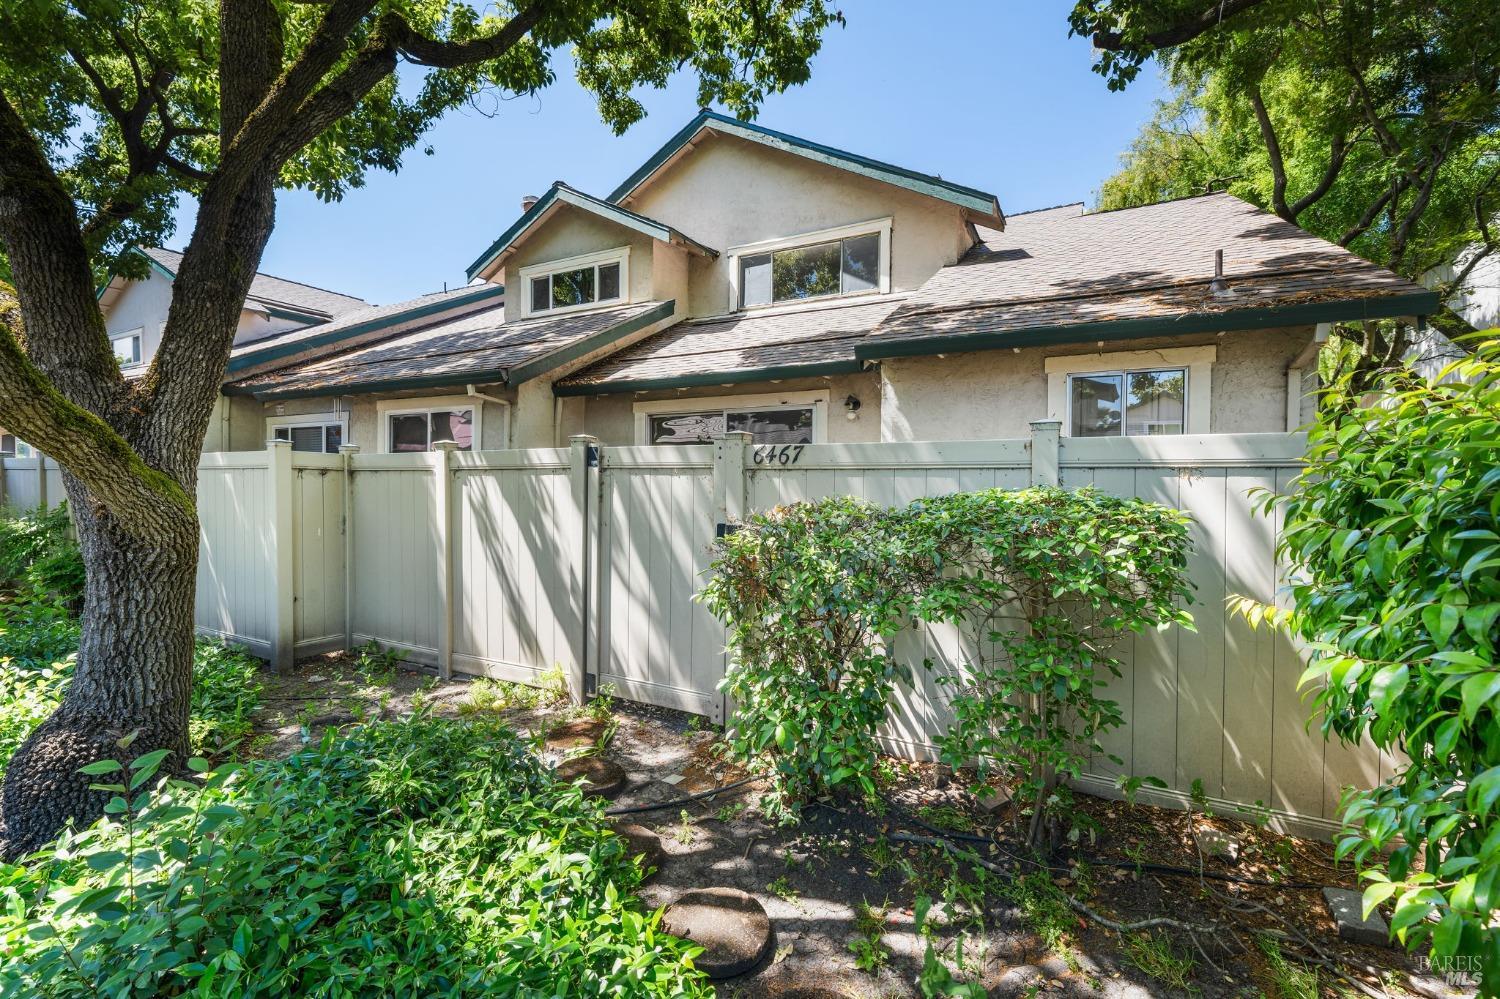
(561, 194)
(361, 323)
(1062, 275)
(278, 295)
(983, 205)
(479, 347)
(751, 346)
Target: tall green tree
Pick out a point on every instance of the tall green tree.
(111, 110)
(1372, 123)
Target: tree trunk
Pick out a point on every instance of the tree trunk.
(133, 677)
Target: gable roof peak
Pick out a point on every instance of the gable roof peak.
(978, 206)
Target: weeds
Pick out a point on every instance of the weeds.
(1288, 980)
(377, 666)
(1155, 956)
(870, 951)
(783, 889)
(685, 832)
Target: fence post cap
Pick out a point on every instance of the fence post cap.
(445, 445)
(1042, 426)
(742, 436)
(276, 442)
(348, 449)
(582, 439)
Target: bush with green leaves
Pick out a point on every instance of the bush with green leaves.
(226, 690)
(1055, 579)
(812, 594)
(1393, 536)
(38, 554)
(815, 593)
(421, 857)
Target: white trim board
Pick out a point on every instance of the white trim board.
(1198, 361)
(817, 398)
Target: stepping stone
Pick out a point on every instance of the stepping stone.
(1348, 910)
(576, 734)
(601, 777)
(642, 842)
(730, 926)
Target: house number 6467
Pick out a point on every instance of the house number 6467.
(787, 454)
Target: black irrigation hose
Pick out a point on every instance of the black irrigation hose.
(1098, 861)
(675, 802)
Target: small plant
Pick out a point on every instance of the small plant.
(1044, 909)
(1288, 980)
(936, 978)
(1155, 956)
(946, 817)
(686, 833)
(730, 812)
(783, 889)
(881, 855)
(377, 666)
(870, 951)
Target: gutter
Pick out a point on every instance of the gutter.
(712, 378)
(1308, 314)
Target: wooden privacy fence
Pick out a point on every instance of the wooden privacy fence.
(585, 559)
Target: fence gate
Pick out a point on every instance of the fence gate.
(652, 641)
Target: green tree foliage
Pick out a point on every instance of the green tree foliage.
(815, 595)
(128, 97)
(1393, 533)
(421, 857)
(1376, 126)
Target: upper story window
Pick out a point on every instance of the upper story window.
(784, 418)
(127, 347)
(583, 282)
(850, 260)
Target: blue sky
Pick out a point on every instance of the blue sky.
(991, 93)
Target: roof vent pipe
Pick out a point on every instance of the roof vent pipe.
(527, 200)
(1218, 287)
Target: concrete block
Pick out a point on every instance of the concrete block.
(1347, 909)
(1214, 843)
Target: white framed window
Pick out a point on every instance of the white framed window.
(1132, 393)
(408, 426)
(573, 284)
(773, 418)
(829, 263)
(12, 446)
(321, 433)
(127, 347)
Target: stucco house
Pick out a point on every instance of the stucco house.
(743, 278)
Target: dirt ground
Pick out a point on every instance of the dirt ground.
(840, 888)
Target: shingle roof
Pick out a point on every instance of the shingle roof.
(274, 291)
(1062, 267)
(783, 343)
(361, 322)
(560, 192)
(479, 346)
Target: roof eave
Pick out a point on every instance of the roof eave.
(779, 372)
(983, 205)
(277, 351)
(1268, 317)
(554, 359)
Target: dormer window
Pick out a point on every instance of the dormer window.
(576, 283)
(851, 260)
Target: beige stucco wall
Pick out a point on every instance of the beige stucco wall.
(246, 428)
(611, 418)
(570, 232)
(997, 393)
(729, 192)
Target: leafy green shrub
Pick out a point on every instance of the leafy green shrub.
(1393, 533)
(812, 593)
(424, 857)
(1056, 578)
(226, 691)
(36, 631)
(27, 697)
(38, 553)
